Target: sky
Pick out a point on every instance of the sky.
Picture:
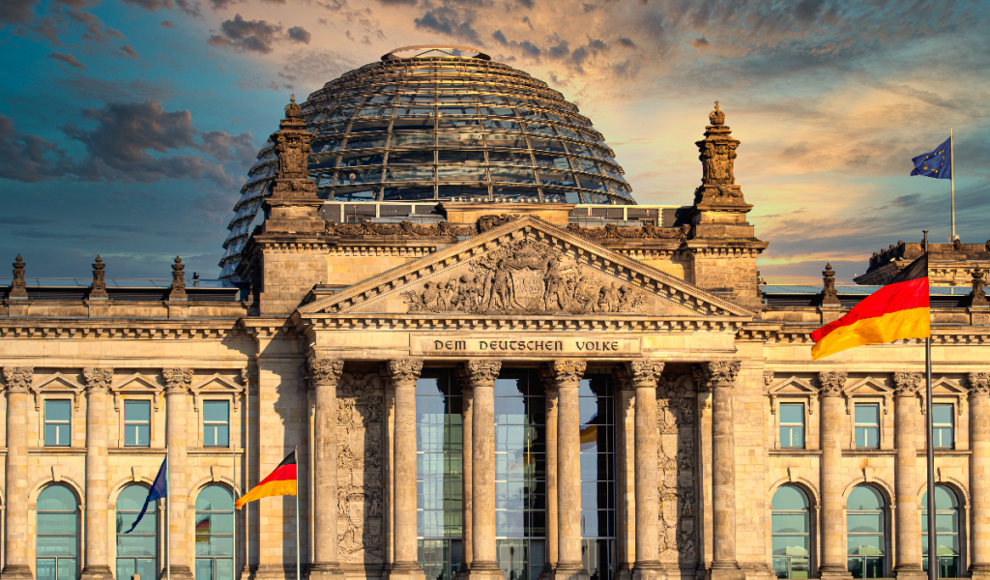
(127, 126)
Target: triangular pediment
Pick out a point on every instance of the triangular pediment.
(526, 267)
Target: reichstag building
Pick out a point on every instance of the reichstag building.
(438, 288)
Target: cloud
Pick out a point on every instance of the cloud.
(67, 59)
(16, 11)
(128, 52)
(28, 158)
(156, 5)
(166, 24)
(300, 34)
(256, 85)
(448, 21)
(247, 35)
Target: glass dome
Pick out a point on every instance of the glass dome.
(429, 123)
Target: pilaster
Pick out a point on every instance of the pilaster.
(644, 376)
(177, 383)
(324, 374)
(97, 483)
(16, 564)
(979, 473)
(907, 434)
(721, 378)
(833, 477)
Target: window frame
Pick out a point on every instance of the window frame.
(149, 514)
(961, 523)
(811, 523)
(781, 425)
(878, 425)
(76, 533)
(884, 531)
(205, 424)
(937, 429)
(124, 423)
(45, 422)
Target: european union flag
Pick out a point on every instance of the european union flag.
(159, 489)
(937, 164)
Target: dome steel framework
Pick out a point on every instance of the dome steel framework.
(439, 126)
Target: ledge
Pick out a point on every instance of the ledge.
(795, 452)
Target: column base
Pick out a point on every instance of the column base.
(979, 571)
(649, 573)
(624, 572)
(406, 571)
(17, 572)
(834, 573)
(325, 571)
(97, 573)
(179, 572)
(481, 570)
(910, 572)
(273, 572)
(726, 570)
(570, 571)
(547, 573)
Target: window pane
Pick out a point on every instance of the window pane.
(865, 523)
(942, 414)
(57, 411)
(790, 523)
(868, 414)
(51, 435)
(222, 436)
(865, 497)
(209, 435)
(790, 545)
(146, 568)
(214, 498)
(125, 569)
(789, 498)
(216, 411)
(45, 569)
(143, 435)
(56, 497)
(56, 546)
(792, 413)
(204, 568)
(225, 569)
(137, 411)
(67, 569)
(135, 546)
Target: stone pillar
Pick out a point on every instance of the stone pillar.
(324, 374)
(833, 476)
(550, 394)
(625, 461)
(645, 375)
(481, 375)
(97, 484)
(721, 378)
(403, 375)
(567, 374)
(16, 548)
(979, 473)
(181, 545)
(907, 428)
(467, 471)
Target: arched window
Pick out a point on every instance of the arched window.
(865, 533)
(791, 531)
(215, 534)
(946, 531)
(58, 528)
(137, 552)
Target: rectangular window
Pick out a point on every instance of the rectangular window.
(58, 423)
(216, 423)
(137, 423)
(942, 426)
(792, 425)
(867, 425)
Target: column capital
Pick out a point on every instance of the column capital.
(402, 372)
(478, 373)
(831, 383)
(18, 379)
(323, 371)
(979, 384)
(249, 375)
(565, 373)
(643, 373)
(98, 379)
(721, 373)
(908, 384)
(177, 380)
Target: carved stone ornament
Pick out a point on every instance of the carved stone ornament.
(700, 378)
(908, 384)
(177, 291)
(644, 374)
(832, 382)
(177, 380)
(324, 371)
(830, 297)
(402, 372)
(292, 144)
(18, 379)
(718, 154)
(97, 379)
(978, 296)
(99, 287)
(767, 381)
(722, 373)
(18, 287)
(567, 373)
(979, 384)
(478, 373)
(408, 229)
(677, 485)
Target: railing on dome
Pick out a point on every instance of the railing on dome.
(445, 49)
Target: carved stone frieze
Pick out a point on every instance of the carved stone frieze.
(177, 380)
(402, 372)
(908, 384)
(566, 373)
(645, 232)
(721, 373)
(18, 379)
(831, 383)
(98, 379)
(324, 371)
(402, 229)
(979, 384)
(676, 419)
(360, 469)
(644, 374)
(478, 373)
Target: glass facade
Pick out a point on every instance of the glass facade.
(57, 538)
(439, 474)
(946, 532)
(441, 127)
(598, 523)
(520, 474)
(865, 533)
(791, 532)
(214, 534)
(137, 551)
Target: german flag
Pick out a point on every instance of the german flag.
(896, 311)
(282, 481)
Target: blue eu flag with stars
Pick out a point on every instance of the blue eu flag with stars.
(159, 489)
(937, 164)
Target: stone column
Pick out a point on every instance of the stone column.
(481, 375)
(625, 461)
(403, 374)
(907, 427)
(550, 422)
(721, 378)
(567, 374)
(467, 471)
(833, 538)
(97, 484)
(16, 548)
(324, 374)
(979, 473)
(644, 375)
(181, 545)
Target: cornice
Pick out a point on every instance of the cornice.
(133, 328)
(962, 335)
(448, 322)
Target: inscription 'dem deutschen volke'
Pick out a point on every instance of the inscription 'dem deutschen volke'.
(526, 346)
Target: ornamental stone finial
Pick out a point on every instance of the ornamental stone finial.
(402, 372)
(721, 373)
(18, 287)
(832, 382)
(478, 373)
(978, 296)
(98, 379)
(717, 155)
(644, 373)
(566, 373)
(717, 117)
(830, 296)
(98, 291)
(324, 371)
(18, 379)
(979, 384)
(177, 380)
(908, 384)
(177, 291)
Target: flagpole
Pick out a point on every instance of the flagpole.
(930, 439)
(952, 181)
(168, 508)
(298, 558)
